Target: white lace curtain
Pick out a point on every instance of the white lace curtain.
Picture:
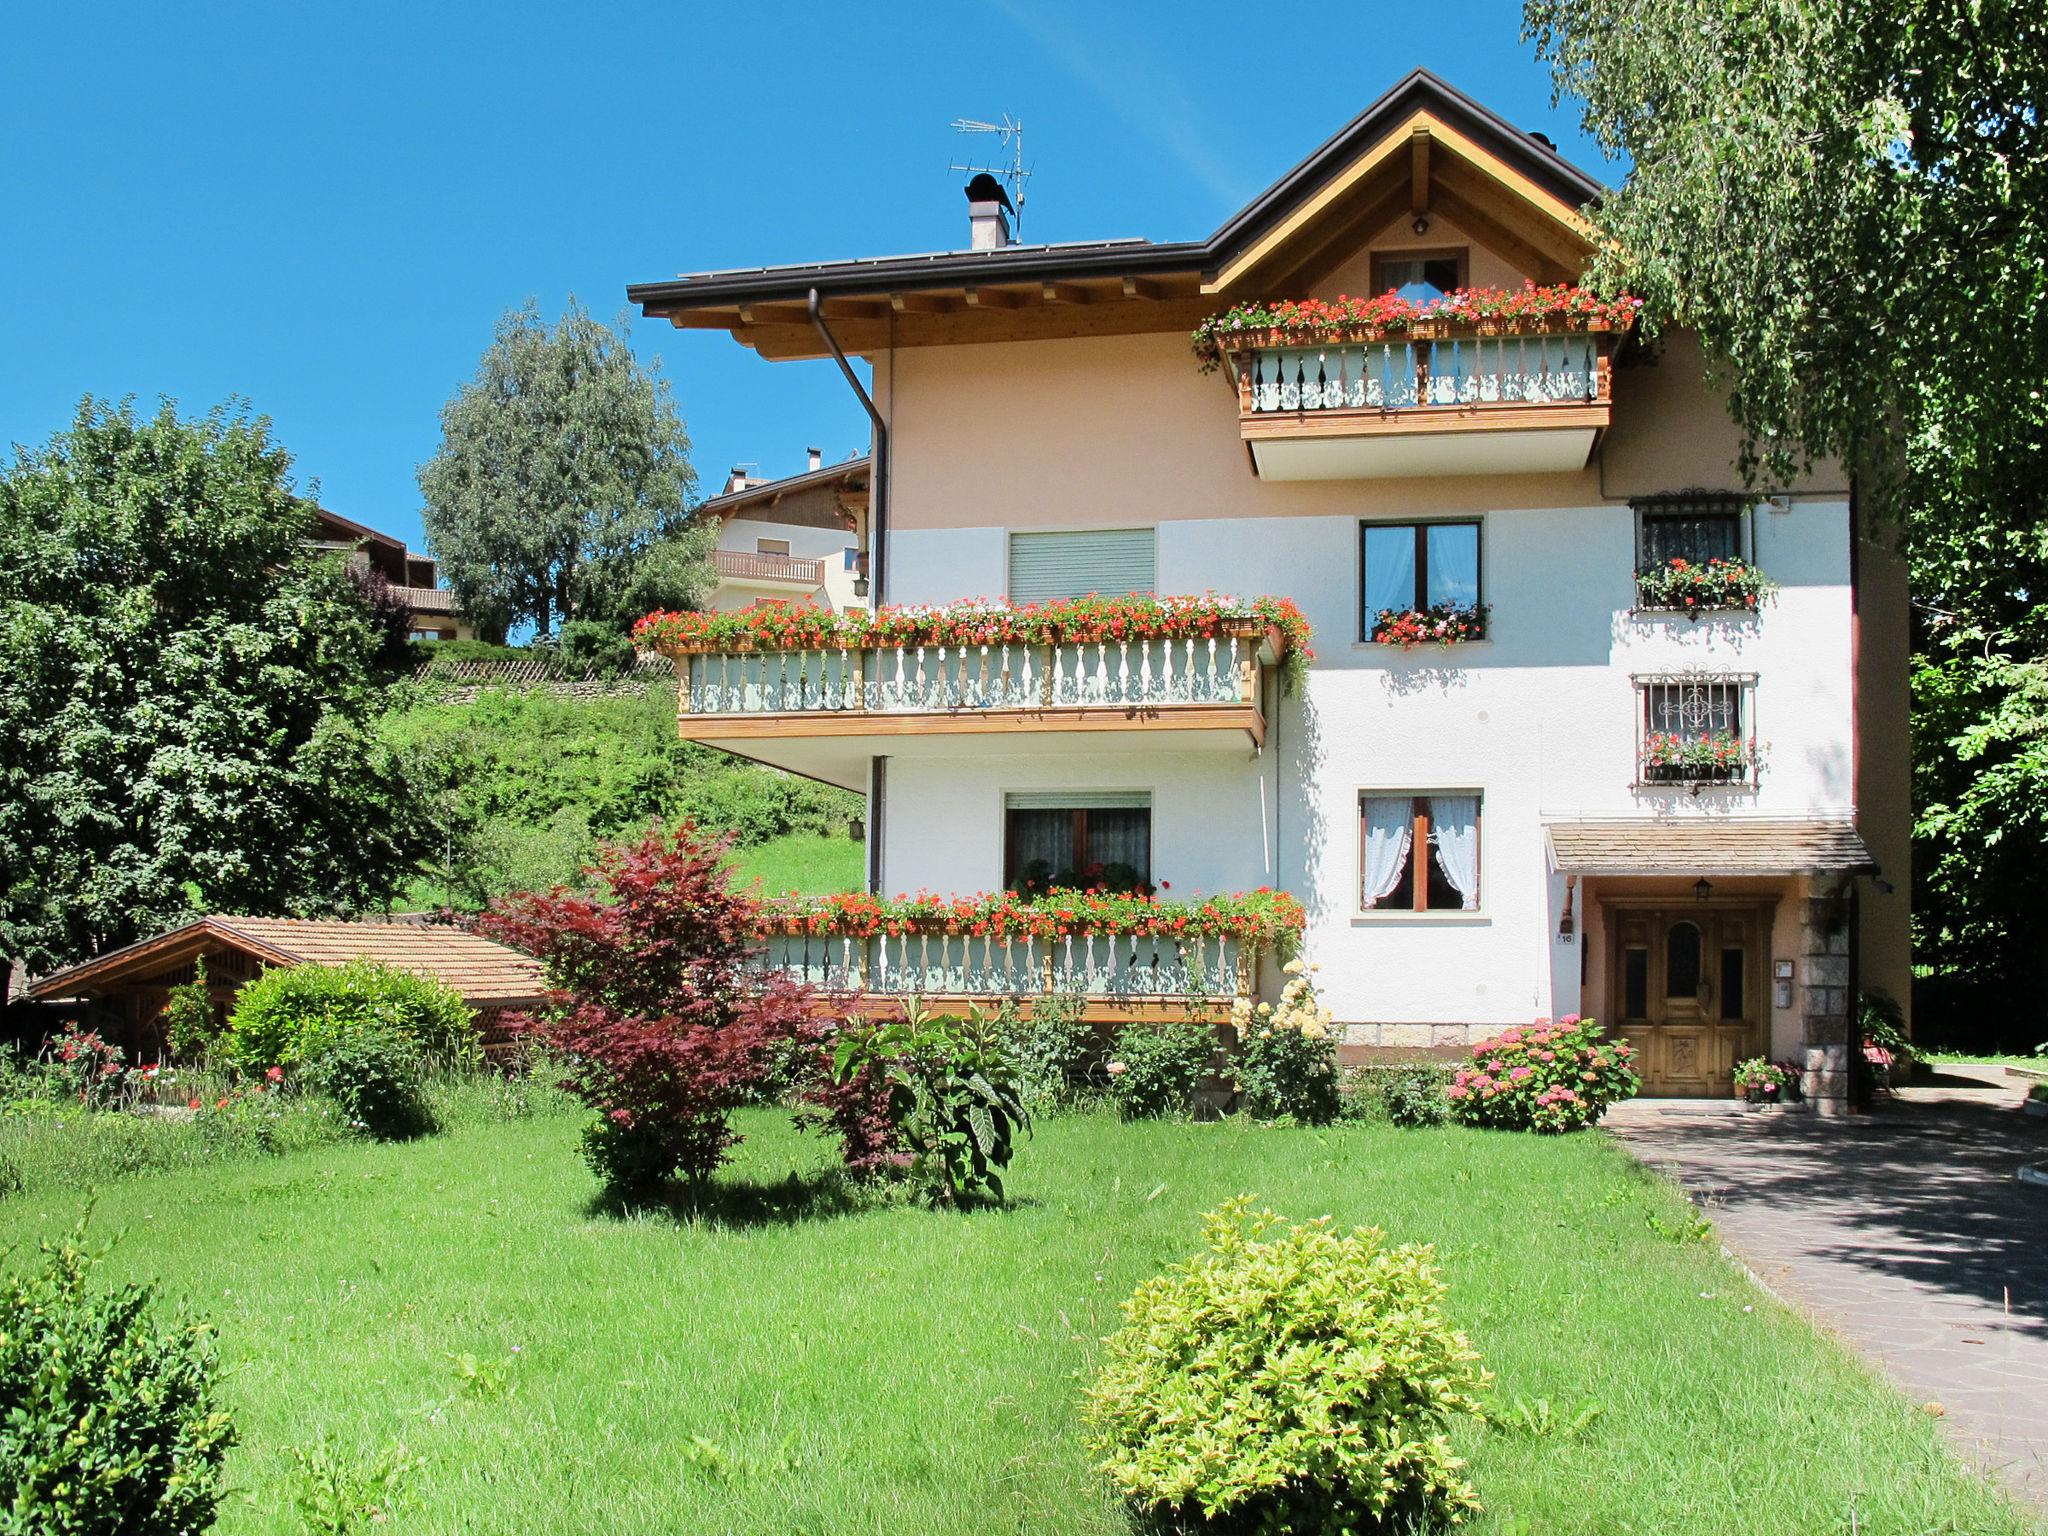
(1389, 828)
(1454, 828)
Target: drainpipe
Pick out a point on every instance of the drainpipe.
(878, 509)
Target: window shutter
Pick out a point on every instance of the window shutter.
(1112, 561)
(1078, 800)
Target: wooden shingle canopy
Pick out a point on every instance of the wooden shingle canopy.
(1421, 147)
(486, 973)
(1719, 846)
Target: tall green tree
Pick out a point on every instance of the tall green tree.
(563, 481)
(1848, 202)
(187, 701)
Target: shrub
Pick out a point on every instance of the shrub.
(601, 649)
(189, 1025)
(1548, 1077)
(650, 1006)
(950, 1098)
(1287, 1379)
(112, 1423)
(369, 1069)
(1048, 1050)
(1287, 1055)
(280, 1011)
(1409, 1093)
(1154, 1069)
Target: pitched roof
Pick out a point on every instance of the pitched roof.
(851, 473)
(1721, 846)
(481, 969)
(1349, 177)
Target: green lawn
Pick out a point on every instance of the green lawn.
(902, 1371)
(805, 863)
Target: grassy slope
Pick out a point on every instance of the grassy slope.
(900, 1370)
(805, 863)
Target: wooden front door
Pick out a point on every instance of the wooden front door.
(1688, 992)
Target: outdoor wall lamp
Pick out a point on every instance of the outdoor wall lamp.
(1702, 888)
(1421, 224)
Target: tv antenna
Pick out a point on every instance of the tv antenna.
(1010, 139)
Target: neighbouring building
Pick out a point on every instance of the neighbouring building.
(123, 992)
(412, 576)
(1689, 819)
(798, 539)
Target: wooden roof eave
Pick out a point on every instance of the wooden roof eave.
(118, 966)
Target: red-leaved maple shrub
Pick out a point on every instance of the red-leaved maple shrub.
(661, 1030)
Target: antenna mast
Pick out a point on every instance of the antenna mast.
(1009, 137)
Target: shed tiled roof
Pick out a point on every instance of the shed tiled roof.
(482, 970)
(1725, 846)
(427, 599)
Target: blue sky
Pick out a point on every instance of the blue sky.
(324, 208)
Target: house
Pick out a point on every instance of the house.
(793, 540)
(413, 577)
(126, 989)
(1549, 758)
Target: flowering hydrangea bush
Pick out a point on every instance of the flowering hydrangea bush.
(1702, 586)
(1287, 1054)
(1091, 620)
(1564, 306)
(1544, 1077)
(1440, 624)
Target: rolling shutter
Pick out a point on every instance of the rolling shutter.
(1112, 561)
(1078, 800)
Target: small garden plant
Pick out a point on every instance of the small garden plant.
(1287, 1055)
(1287, 1379)
(1544, 1077)
(949, 1096)
(1760, 1080)
(1727, 583)
(1408, 1093)
(1154, 1068)
(110, 1418)
(1442, 624)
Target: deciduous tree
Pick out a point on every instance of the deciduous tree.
(187, 700)
(563, 480)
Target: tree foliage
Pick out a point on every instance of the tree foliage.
(187, 701)
(563, 480)
(1849, 204)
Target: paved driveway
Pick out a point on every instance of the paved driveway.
(1904, 1232)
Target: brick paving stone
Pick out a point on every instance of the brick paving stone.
(1904, 1232)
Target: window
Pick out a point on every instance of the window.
(1077, 838)
(1416, 565)
(771, 546)
(1691, 528)
(1696, 728)
(1111, 561)
(852, 558)
(1419, 275)
(1419, 853)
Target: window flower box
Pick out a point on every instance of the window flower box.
(1714, 757)
(1694, 587)
(1441, 624)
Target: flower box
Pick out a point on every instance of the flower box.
(1716, 757)
(1444, 624)
(1261, 919)
(1700, 587)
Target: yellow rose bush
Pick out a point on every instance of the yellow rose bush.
(1287, 1053)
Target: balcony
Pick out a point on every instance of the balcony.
(1128, 957)
(747, 569)
(820, 693)
(1479, 381)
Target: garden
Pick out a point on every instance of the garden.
(718, 1258)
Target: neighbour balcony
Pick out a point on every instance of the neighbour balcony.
(1480, 382)
(741, 566)
(777, 685)
(1125, 956)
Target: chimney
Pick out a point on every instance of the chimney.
(988, 214)
(816, 456)
(737, 480)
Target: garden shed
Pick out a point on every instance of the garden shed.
(123, 992)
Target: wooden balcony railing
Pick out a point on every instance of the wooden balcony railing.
(742, 566)
(1116, 973)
